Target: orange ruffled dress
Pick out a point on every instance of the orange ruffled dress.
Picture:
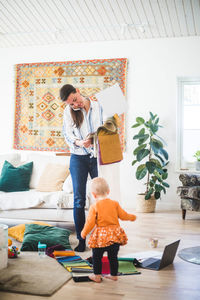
(106, 236)
(104, 217)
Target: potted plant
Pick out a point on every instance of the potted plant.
(197, 163)
(152, 159)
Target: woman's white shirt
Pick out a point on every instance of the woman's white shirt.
(91, 121)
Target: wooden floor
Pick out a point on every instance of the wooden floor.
(180, 281)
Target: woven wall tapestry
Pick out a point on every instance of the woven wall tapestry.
(39, 110)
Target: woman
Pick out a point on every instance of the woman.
(81, 117)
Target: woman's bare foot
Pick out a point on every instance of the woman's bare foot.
(96, 278)
(115, 278)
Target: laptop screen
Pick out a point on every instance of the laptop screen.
(169, 254)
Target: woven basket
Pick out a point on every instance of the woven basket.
(145, 206)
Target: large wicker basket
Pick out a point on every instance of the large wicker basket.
(145, 206)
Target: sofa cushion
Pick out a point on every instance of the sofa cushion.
(190, 204)
(52, 178)
(46, 235)
(67, 185)
(15, 179)
(189, 192)
(40, 160)
(17, 232)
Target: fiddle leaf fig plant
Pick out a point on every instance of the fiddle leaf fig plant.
(151, 156)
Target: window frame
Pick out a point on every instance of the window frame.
(181, 81)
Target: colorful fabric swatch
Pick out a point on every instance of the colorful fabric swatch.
(63, 253)
(74, 262)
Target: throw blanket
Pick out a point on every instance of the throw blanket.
(34, 198)
(19, 200)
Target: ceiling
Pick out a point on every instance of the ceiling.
(46, 22)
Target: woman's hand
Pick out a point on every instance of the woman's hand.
(83, 143)
(87, 143)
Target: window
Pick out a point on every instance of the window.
(188, 121)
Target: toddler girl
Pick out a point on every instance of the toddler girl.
(107, 235)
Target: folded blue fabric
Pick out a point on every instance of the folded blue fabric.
(69, 258)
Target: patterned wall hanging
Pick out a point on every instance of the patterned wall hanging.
(39, 110)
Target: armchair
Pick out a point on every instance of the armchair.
(189, 193)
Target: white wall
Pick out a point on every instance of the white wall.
(151, 86)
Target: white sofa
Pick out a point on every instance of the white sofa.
(55, 207)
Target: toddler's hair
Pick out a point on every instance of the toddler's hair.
(99, 186)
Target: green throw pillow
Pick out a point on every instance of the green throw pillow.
(50, 236)
(15, 179)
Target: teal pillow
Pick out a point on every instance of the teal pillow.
(15, 179)
(50, 236)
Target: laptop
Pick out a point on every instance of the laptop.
(168, 256)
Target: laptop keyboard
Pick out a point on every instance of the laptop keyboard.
(151, 262)
(155, 264)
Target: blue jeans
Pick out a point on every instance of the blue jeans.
(80, 167)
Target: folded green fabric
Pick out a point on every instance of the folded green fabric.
(125, 259)
(15, 179)
(50, 236)
(127, 267)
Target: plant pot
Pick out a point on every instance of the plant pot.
(197, 165)
(145, 206)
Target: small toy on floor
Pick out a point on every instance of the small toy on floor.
(13, 252)
(9, 242)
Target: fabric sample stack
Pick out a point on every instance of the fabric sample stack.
(79, 268)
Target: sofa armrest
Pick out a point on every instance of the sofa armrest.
(189, 179)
